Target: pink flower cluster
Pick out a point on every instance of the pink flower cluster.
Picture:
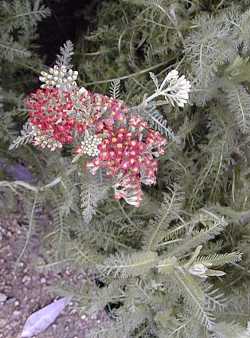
(128, 152)
(50, 110)
(122, 144)
(63, 115)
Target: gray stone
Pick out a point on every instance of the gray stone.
(3, 297)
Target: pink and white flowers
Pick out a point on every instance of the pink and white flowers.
(102, 130)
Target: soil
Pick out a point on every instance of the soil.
(24, 290)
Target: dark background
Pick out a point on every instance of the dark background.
(69, 19)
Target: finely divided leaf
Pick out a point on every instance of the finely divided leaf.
(115, 88)
(238, 101)
(220, 259)
(27, 135)
(65, 56)
(122, 265)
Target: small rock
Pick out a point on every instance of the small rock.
(3, 297)
(16, 313)
(68, 272)
(3, 322)
(11, 300)
(26, 279)
(43, 280)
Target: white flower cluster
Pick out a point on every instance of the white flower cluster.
(175, 89)
(178, 89)
(90, 144)
(44, 141)
(59, 77)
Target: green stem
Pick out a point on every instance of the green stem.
(146, 70)
(28, 233)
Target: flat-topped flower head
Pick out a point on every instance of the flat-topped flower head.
(89, 145)
(174, 88)
(178, 89)
(50, 111)
(128, 151)
(59, 77)
(44, 140)
(101, 128)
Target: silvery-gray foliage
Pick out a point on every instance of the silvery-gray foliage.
(179, 265)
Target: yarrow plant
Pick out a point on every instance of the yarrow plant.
(102, 130)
